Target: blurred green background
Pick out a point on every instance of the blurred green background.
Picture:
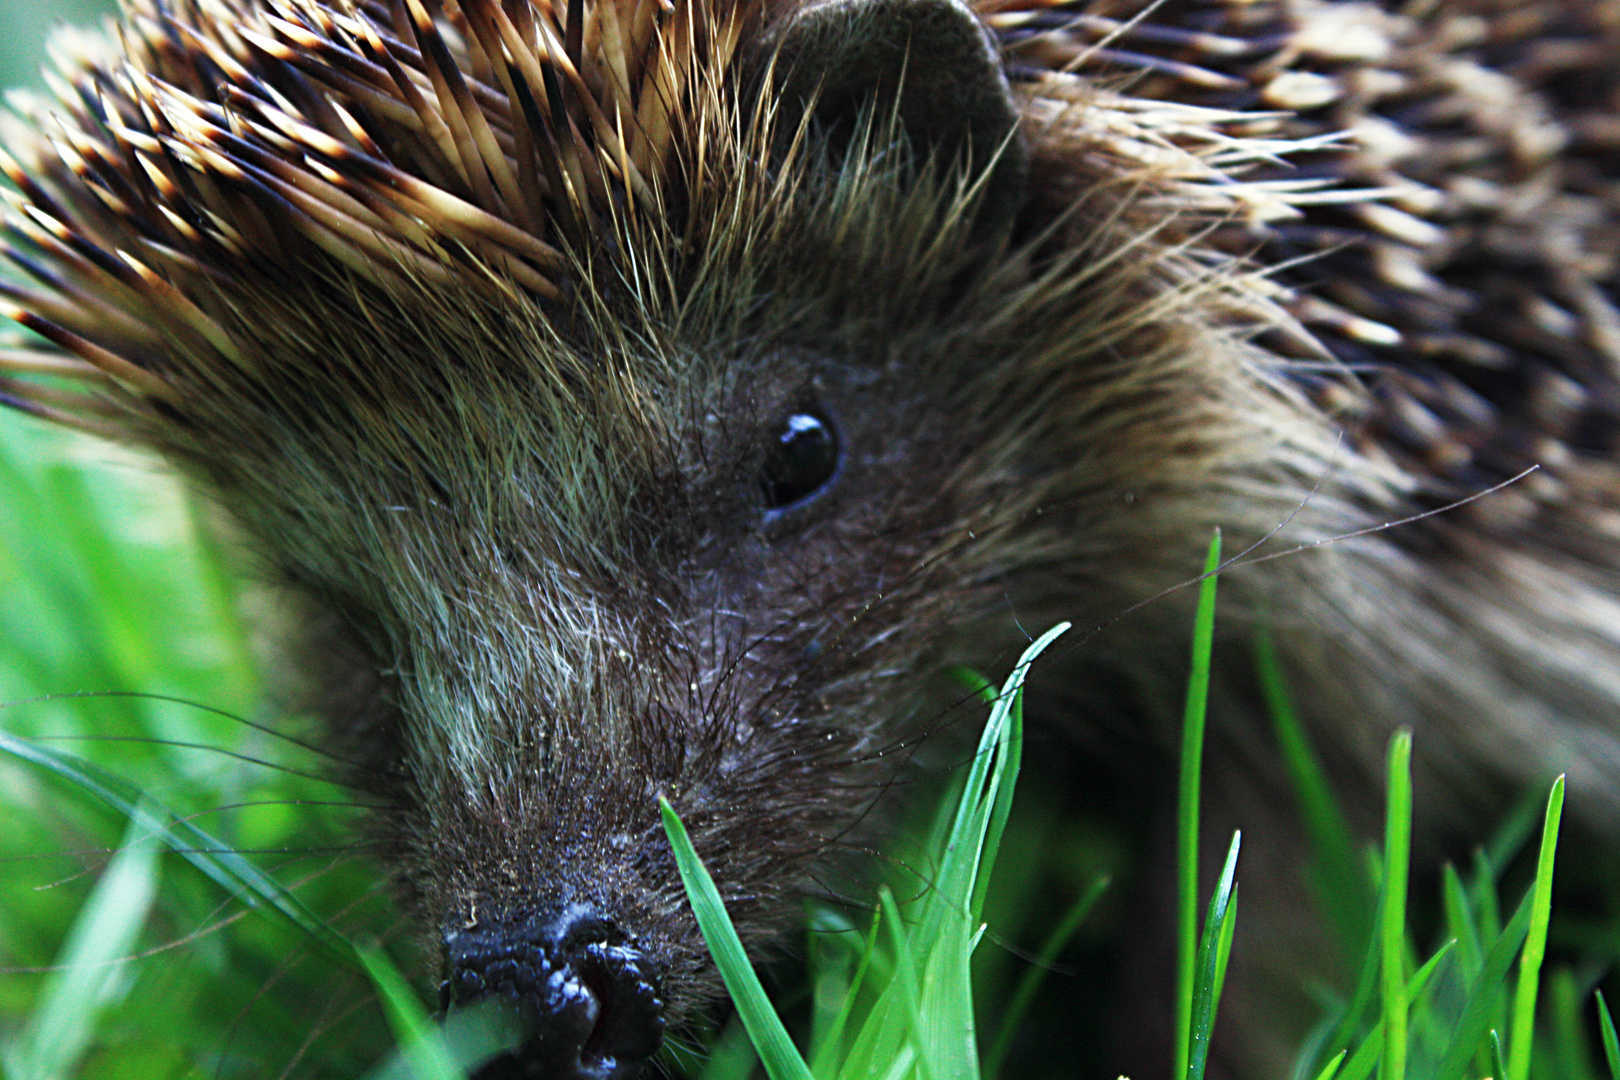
(114, 614)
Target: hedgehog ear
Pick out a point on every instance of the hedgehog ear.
(932, 61)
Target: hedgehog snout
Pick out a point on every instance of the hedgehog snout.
(587, 999)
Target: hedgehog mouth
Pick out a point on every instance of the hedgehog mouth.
(589, 1012)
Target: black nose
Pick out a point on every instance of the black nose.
(587, 999)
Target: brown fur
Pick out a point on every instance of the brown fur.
(476, 316)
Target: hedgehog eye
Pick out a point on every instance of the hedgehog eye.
(801, 460)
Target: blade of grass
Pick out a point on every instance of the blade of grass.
(827, 1045)
(1192, 763)
(1484, 994)
(239, 877)
(1361, 998)
(1392, 917)
(1535, 942)
(63, 1023)
(1212, 954)
(968, 857)
(1485, 901)
(1570, 1056)
(420, 1041)
(949, 1043)
(1313, 1056)
(975, 682)
(1330, 1070)
(1611, 1045)
(888, 1030)
(1367, 1055)
(1459, 924)
(1514, 832)
(1009, 757)
(910, 981)
(1223, 951)
(776, 1050)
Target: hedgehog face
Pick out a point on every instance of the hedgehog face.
(710, 641)
(714, 649)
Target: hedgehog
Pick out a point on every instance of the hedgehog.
(650, 398)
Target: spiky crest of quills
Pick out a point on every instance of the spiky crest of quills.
(229, 125)
(407, 138)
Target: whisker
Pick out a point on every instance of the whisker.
(199, 706)
(149, 740)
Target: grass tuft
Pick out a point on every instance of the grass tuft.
(917, 1020)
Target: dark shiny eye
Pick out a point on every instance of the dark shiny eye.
(801, 460)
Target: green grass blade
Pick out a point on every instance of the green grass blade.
(1187, 807)
(1223, 951)
(975, 682)
(1392, 917)
(1009, 756)
(1485, 902)
(1459, 924)
(829, 1043)
(420, 1041)
(969, 858)
(948, 1043)
(1368, 1054)
(908, 1001)
(776, 1050)
(1535, 942)
(887, 1031)
(1484, 995)
(1313, 1056)
(1611, 1045)
(1212, 951)
(63, 1023)
(1012, 751)
(239, 877)
(1361, 998)
(1330, 1070)
(1569, 1049)
(1514, 833)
